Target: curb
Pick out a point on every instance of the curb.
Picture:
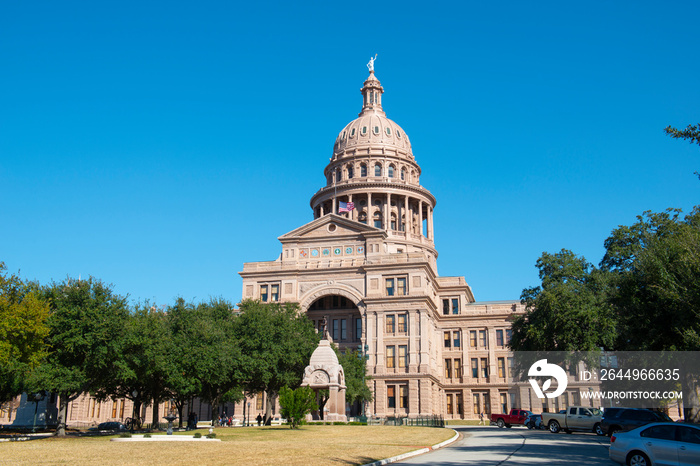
(413, 453)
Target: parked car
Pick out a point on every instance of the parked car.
(516, 417)
(575, 418)
(535, 422)
(112, 425)
(657, 444)
(624, 419)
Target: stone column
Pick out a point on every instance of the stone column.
(413, 350)
(430, 221)
(424, 362)
(335, 207)
(369, 209)
(413, 398)
(351, 214)
(406, 221)
(379, 368)
(387, 213)
(420, 217)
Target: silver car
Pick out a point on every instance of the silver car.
(657, 444)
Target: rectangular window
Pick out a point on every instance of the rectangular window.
(343, 329)
(487, 403)
(391, 396)
(472, 338)
(403, 355)
(259, 402)
(446, 306)
(477, 403)
(335, 329)
(512, 399)
(93, 408)
(510, 367)
(482, 338)
(499, 338)
(401, 285)
(475, 368)
(390, 357)
(389, 284)
(358, 329)
(275, 292)
(263, 293)
(455, 306)
(504, 402)
(448, 342)
(121, 410)
(403, 326)
(509, 335)
(403, 396)
(114, 409)
(456, 337)
(484, 368)
(502, 369)
(576, 398)
(448, 369)
(459, 403)
(458, 368)
(390, 324)
(449, 404)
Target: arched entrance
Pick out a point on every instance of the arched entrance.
(345, 324)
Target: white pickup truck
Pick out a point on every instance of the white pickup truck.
(575, 418)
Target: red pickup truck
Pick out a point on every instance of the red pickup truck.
(516, 417)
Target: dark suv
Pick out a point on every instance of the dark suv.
(624, 419)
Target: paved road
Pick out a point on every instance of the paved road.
(491, 446)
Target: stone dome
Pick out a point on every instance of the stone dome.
(324, 355)
(372, 129)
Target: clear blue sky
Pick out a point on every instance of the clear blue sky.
(160, 145)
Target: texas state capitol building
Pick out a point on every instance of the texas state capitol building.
(372, 274)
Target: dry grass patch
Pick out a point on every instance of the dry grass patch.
(251, 446)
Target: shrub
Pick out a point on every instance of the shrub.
(212, 435)
(125, 435)
(296, 404)
(146, 435)
(197, 435)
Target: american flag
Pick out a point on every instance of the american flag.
(345, 206)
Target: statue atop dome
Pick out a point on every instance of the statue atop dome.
(370, 65)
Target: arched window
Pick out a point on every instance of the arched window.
(350, 171)
(338, 175)
(363, 170)
(377, 220)
(391, 171)
(363, 218)
(403, 174)
(393, 221)
(378, 170)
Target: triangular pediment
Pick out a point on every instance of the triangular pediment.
(331, 225)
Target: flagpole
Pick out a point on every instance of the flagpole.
(335, 192)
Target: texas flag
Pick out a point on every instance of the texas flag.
(345, 206)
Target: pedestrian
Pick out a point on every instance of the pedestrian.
(259, 419)
(481, 419)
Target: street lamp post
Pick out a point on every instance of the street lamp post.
(248, 421)
(134, 394)
(37, 399)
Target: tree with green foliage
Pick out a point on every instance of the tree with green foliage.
(355, 368)
(296, 404)
(276, 342)
(691, 133)
(181, 378)
(23, 330)
(215, 358)
(568, 311)
(655, 269)
(144, 361)
(86, 323)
